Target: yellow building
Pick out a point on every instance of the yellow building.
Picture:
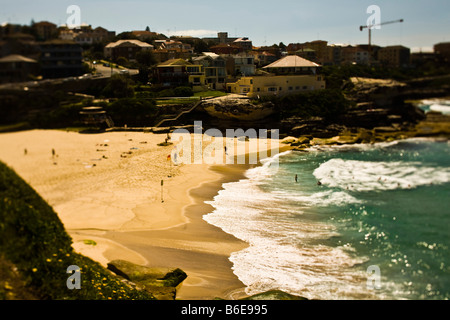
(276, 85)
(291, 74)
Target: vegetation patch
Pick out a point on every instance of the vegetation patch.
(35, 252)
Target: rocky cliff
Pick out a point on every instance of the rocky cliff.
(236, 107)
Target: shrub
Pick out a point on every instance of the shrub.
(132, 111)
(119, 86)
(183, 92)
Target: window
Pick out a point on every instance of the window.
(258, 89)
(272, 89)
(291, 88)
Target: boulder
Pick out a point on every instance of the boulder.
(161, 282)
(289, 140)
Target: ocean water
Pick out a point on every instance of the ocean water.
(383, 207)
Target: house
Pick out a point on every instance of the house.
(45, 30)
(244, 43)
(172, 44)
(307, 53)
(126, 48)
(320, 48)
(394, 56)
(179, 72)
(60, 59)
(240, 64)
(143, 35)
(291, 74)
(223, 48)
(215, 69)
(263, 58)
(17, 68)
(222, 38)
(170, 49)
(86, 35)
(20, 43)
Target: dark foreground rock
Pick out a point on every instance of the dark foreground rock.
(162, 283)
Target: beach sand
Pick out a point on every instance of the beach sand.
(106, 189)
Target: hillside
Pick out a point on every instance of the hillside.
(35, 252)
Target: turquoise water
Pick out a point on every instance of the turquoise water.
(384, 205)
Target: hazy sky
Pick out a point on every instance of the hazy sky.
(263, 21)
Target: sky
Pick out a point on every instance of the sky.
(265, 22)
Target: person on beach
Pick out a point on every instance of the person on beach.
(53, 153)
(25, 151)
(296, 178)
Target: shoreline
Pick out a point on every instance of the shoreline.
(112, 208)
(197, 247)
(176, 236)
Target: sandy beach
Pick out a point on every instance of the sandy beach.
(106, 189)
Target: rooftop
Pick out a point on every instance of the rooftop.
(292, 62)
(16, 58)
(175, 62)
(135, 42)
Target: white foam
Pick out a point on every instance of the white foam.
(320, 199)
(279, 255)
(445, 109)
(373, 175)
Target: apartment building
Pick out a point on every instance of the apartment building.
(394, 56)
(442, 51)
(60, 59)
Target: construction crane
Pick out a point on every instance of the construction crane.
(370, 27)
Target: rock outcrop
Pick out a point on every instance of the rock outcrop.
(162, 283)
(237, 107)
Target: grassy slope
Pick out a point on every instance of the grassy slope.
(35, 251)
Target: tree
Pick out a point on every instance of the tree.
(119, 86)
(147, 29)
(122, 61)
(145, 58)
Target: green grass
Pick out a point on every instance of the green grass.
(193, 99)
(15, 127)
(33, 240)
(205, 94)
(181, 101)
